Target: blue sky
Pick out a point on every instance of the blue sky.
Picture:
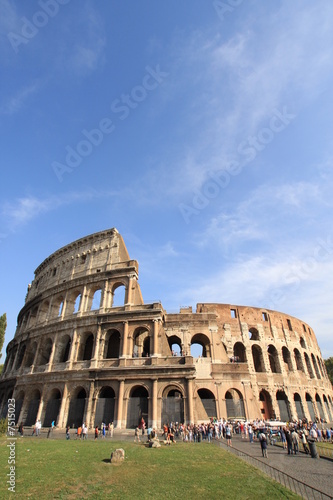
(201, 130)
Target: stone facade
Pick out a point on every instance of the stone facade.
(87, 348)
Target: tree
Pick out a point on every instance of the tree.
(3, 326)
(329, 368)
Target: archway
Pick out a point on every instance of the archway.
(258, 360)
(235, 404)
(141, 347)
(287, 359)
(253, 334)
(105, 406)
(328, 410)
(52, 408)
(320, 407)
(314, 362)
(284, 406)
(137, 407)
(45, 352)
(308, 365)
(273, 359)
(172, 406)
(200, 346)
(207, 408)
(76, 408)
(239, 353)
(62, 354)
(310, 407)
(33, 408)
(20, 356)
(18, 405)
(299, 406)
(112, 344)
(175, 345)
(298, 359)
(266, 405)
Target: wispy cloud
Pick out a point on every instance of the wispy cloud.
(15, 103)
(23, 210)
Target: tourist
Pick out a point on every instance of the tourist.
(305, 443)
(250, 430)
(295, 440)
(67, 433)
(263, 443)
(228, 434)
(96, 432)
(84, 431)
(289, 442)
(79, 432)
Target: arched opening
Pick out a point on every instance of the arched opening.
(258, 359)
(20, 356)
(328, 410)
(239, 353)
(175, 345)
(76, 408)
(308, 365)
(302, 342)
(45, 352)
(298, 360)
(77, 303)
(96, 300)
(137, 407)
(86, 347)
(105, 406)
(235, 404)
(253, 334)
(33, 408)
(18, 405)
(314, 362)
(206, 409)
(118, 296)
(64, 349)
(287, 359)
(320, 407)
(320, 367)
(172, 406)
(43, 311)
(311, 408)
(52, 408)
(112, 344)
(266, 405)
(200, 346)
(273, 359)
(141, 347)
(299, 406)
(284, 406)
(33, 317)
(30, 355)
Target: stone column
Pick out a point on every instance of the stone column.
(41, 405)
(125, 335)
(190, 400)
(120, 404)
(54, 344)
(154, 404)
(128, 299)
(156, 323)
(63, 408)
(72, 350)
(94, 359)
(15, 359)
(87, 411)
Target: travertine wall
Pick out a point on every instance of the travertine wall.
(87, 348)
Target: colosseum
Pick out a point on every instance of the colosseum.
(88, 348)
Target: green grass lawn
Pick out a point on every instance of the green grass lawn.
(72, 469)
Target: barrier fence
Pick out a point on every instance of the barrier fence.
(300, 488)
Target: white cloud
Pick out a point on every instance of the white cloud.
(15, 103)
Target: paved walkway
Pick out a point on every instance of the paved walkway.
(317, 473)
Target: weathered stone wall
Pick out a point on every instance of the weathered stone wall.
(87, 348)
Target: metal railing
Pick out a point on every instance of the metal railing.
(299, 487)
